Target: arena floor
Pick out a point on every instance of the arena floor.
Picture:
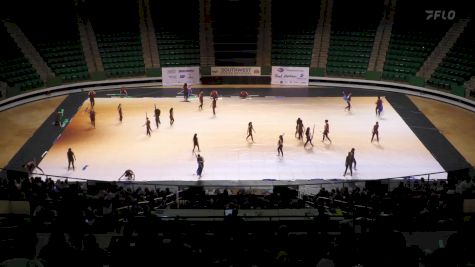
(105, 152)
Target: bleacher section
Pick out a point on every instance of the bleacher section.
(292, 39)
(235, 26)
(459, 64)
(55, 36)
(354, 27)
(413, 39)
(177, 31)
(118, 36)
(15, 70)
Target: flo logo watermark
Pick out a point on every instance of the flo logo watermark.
(440, 14)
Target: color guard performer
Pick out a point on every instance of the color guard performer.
(172, 119)
(309, 137)
(195, 143)
(347, 98)
(200, 97)
(147, 124)
(92, 95)
(250, 129)
(379, 106)
(119, 109)
(326, 131)
(375, 132)
(280, 145)
(92, 117)
(71, 158)
(157, 116)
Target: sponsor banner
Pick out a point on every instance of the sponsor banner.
(290, 75)
(180, 75)
(235, 71)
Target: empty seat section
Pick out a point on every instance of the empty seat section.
(354, 26)
(15, 70)
(177, 32)
(55, 36)
(413, 38)
(235, 26)
(293, 32)
(459, 64)
(118, 37)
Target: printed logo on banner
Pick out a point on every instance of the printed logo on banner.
(235, 71)
(181, 75)
(290, 75)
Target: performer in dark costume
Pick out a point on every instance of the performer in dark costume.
(326, 130)
(200, 97)
(250, 129)
(92, 95)
(172, 119)
(123, 92)
(299, 121)
(195, 143)
(243, 94)
(379, 106)
(30, 166)
(353, 157)
(375, 132)
(157, 116)
(280, 145)
(147, 124)
(129, 175)
(214, 94)
(348, 163)
(92, 117)
(214, 106)
(71, 158)
(201, 164)
(309, 137)
(347, 98)
(119, 109)
(185, 92)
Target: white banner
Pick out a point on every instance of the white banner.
(290, 75)
(180, 75)
(235, 71)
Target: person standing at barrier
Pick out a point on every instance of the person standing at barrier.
(326, 131)
(348, 164)
(119, 109)
(172, 119)
(195, 143)
(280, 146)
(71, 158)
(200, 97)
(157, 116)
(201, 163)
(375, 132)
